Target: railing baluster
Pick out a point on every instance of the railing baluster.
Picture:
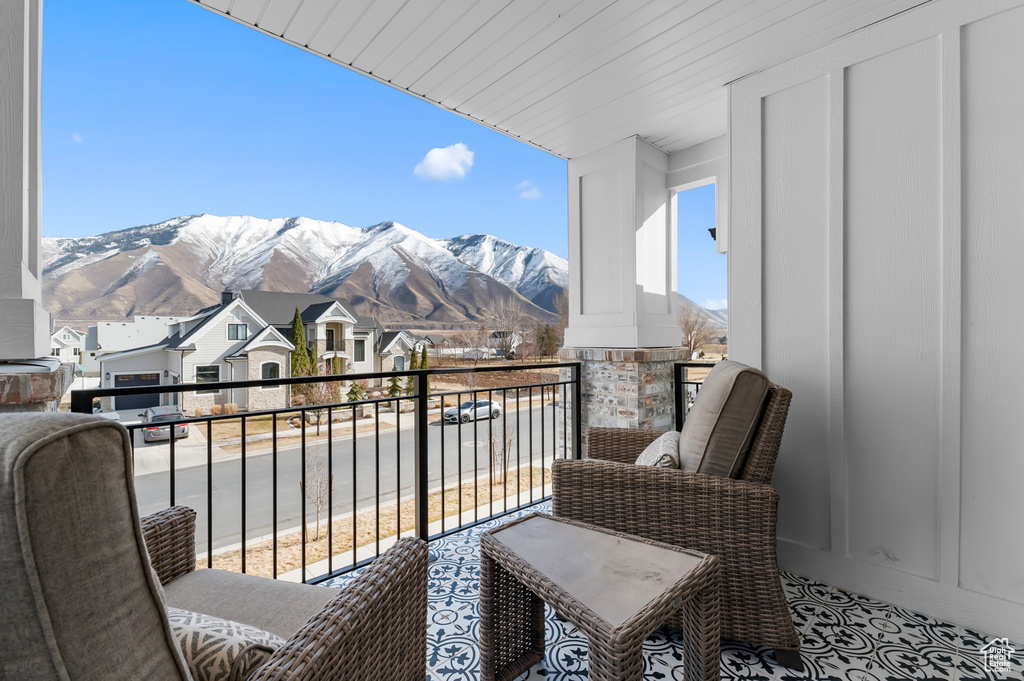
(577, 411)
(172, 428)
(376, 466)
(490, 453)
(209, 494)
(398, 471)
(458, 445)
(542, 457)
(422, 453)
(476, 459)
(504, 449)
(355, 529)
(302, 490)
(244, 488)
(273, 475)
(330, 492)
(530, 421)
(444, 471)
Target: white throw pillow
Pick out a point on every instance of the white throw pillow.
(662, 453)
(217, 649)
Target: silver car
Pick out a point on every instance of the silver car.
(156, 415)
(472, 410)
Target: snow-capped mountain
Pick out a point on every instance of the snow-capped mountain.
(387, 270)
(535, 274)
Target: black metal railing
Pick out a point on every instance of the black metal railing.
(373, 468)
(688, 379)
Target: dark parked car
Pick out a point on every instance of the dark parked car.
(156, 415)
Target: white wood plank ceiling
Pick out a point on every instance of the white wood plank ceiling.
(567, 76)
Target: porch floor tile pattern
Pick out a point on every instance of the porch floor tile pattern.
(845, 636)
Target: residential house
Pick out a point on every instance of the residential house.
(67, 344)
(108, 337)
(246, 337)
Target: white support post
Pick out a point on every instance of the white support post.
(25, 331)
(622, 292)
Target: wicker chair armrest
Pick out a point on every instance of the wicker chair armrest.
(622, 445)
(171, 541)
(662, 502)
(376, 628)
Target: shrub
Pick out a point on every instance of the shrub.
(230, 408)
(216, 409)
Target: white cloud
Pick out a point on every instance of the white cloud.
(528, 190)
(76, 137)
(715, 304)
(446, 163)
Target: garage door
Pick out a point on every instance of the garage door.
(136, 401)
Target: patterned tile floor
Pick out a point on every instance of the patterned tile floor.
(845, 636)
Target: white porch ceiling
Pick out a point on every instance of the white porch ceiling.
(567, 76)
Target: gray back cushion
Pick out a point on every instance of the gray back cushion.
(720, 425)
(79, 598)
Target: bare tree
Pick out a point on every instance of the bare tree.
(696, 329)
(507, 320)
(561, 303)
(318, 395)
(503, 444)
(318, 486)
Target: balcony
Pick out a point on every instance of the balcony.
(440, 485)
(282, 492)
(843, 635)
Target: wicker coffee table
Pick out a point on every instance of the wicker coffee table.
(616, 588)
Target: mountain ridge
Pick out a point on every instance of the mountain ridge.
(388, 270)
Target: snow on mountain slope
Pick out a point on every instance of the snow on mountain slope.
(399, 268)
(535, 274)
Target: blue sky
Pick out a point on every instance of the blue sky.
(157, 109)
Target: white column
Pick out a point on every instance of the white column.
(25, 327)
(622, 271)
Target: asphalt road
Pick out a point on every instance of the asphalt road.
(378, 472)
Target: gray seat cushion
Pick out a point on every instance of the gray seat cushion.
(268, 604)
(720, 425)
(78, 597)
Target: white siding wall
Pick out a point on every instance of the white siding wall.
(212, 346)
(875, 269)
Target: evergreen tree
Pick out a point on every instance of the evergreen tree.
(394, 384)
(424, 365)
(300, 358)
(410, 382)
(355, 392)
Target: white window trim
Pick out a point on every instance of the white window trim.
(355, 345)
(227, 331)
(272, 387)
(195, 379)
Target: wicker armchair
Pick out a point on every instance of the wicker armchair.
(85, 583)
(374, 628)
(733, 519)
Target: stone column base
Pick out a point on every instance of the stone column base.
(625, 387)
(34, 385)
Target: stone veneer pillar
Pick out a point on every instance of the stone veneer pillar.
(623, 387)
(36, 385)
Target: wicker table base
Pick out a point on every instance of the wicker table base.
(616, 588)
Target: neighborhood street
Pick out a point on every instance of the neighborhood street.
(378, 472)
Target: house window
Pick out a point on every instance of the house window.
(207, 374)
(238, 331)
(360, 351)
(77, 351)
(269, 371)
(399, 363)
(55, 352)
